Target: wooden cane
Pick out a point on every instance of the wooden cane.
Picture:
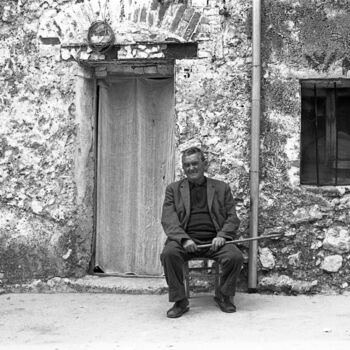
(243, 240)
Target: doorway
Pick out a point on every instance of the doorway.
(135, 162)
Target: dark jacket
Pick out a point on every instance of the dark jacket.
(176, 209)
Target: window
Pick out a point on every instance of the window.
(325, 132)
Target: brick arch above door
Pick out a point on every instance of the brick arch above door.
(131, 20)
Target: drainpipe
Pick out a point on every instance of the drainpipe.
(254, 149)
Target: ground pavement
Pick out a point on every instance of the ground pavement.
(122, 321)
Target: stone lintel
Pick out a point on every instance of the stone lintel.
(181, 51)
(50, 41)
(168, 51)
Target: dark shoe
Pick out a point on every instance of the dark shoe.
(225, 303)
(179, 308)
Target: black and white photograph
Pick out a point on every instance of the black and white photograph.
(174, 174)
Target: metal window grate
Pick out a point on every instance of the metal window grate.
(325, 133)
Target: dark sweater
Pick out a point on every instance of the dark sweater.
(200, 226)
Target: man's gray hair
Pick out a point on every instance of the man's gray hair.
(193, 150)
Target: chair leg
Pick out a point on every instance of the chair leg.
(217, 278)
(187, 280)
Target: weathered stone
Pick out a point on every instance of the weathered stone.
(273, 230)
(337, 240)
(65, 54)
(8, 13)
(294, 259)
(47, 28)
(200, 3)
(290, 232)
(266, 258)
(316, 245)
(37, 207)
(302, 215)
(283, 283)
(344, 202)
(332, 263)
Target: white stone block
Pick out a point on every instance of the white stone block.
(332, 263)
(337, 240)
(199, 3)
(65, 54)
(266, 258)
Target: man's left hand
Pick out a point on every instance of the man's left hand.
(217, 242)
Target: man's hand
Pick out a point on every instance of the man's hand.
(189, 246)
(217, 242)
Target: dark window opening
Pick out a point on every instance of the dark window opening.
(325, 132)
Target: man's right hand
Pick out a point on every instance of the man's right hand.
(189, 246)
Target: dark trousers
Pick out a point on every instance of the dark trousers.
(174, 256)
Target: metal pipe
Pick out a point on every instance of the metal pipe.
(336, 133)
(316, 138)
(255, 147)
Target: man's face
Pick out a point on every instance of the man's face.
(193, 167)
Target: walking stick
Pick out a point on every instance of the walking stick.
(244, 240)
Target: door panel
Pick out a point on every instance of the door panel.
(135, 163)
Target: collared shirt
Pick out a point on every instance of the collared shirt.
(200, 226)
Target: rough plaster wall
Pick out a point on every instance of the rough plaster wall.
(302, 39)
(41, 223)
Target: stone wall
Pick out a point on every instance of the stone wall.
(302, 39)
(47, 142)
(46, 228)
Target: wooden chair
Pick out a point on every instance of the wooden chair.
(206, 270)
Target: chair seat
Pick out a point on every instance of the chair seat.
(207, 268)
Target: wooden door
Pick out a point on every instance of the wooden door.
(135, 163)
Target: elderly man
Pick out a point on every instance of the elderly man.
(199, 210)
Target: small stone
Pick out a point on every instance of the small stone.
(37, 207)
(290, 233)
(204, 54)
(36, 283)
(316, 245)
(332, 263)
(83, 55)
(155, 49)
(267, 259)
(294, 259)
(284, 283)
(157, 55)
(273, 230)
(65, 54)
(307, 214)
(141, 54)
(53, 281)
(286, 250)
(337, 240)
